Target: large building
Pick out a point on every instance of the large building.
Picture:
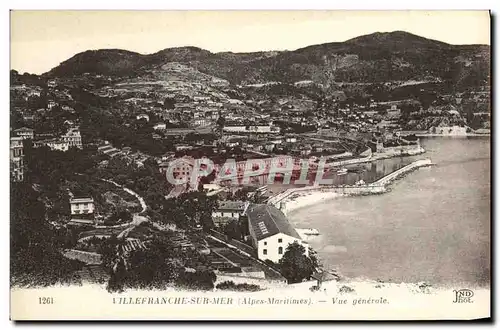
(53, 144)
(82, 205)
(25, 133)
(16, 158)
(271, 232)
(73, 138)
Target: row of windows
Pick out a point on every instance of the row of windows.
(85, 205)
(17, 152)
(280, 240)
(177, 173)
(280, 251)
(232, 215)
(78, 211)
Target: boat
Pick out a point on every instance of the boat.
(342, 171)
(310, 231)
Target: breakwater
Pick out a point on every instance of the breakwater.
(396, 174)
(304, 193)
(388, 152)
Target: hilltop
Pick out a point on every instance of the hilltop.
(377, 57)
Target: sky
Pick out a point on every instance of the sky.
(40, 40)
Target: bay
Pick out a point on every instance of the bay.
(433, 225)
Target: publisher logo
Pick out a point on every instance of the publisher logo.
(463, 296)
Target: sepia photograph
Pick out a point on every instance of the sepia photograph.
(250, 165)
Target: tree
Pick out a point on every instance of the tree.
(314, 258)
(295, 265)
(243, 224)
(232, 230)
(35, 256)
(197, 280)
(151, 268)
(191, 209)
(241, 194)
(119, 216)
(169, 103)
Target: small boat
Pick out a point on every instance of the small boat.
(310, 231)
(342, 171)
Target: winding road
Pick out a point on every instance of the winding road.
(137, 218)
(131, 192)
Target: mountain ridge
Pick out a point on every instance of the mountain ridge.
(376, 57)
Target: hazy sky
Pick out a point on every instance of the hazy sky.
(40, 40)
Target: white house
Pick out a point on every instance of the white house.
(143, 116)
(51, 104)
(271, 232)
(73, 138)
(53, 144)
(25, 133)
(57, 145)
(228, 211)
(82, 205)
(160, 126)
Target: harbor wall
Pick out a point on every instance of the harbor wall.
(394, 175)
(377, 187)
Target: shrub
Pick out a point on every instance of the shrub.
(346, 289)
(198, 280)
(231, 286)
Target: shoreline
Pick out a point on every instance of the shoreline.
(299, 198)
(425, 134)
(305, 199)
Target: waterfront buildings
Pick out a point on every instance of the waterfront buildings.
(448, 130)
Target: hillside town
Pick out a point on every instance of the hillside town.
(96, 153)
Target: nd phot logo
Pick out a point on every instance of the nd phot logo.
(463, 296)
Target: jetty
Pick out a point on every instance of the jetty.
(408, 168)
(378, 187)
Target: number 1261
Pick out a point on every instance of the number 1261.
(45, 300)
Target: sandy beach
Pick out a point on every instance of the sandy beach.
(306, 198)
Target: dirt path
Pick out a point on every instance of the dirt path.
(131, 192)
(137, 218)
